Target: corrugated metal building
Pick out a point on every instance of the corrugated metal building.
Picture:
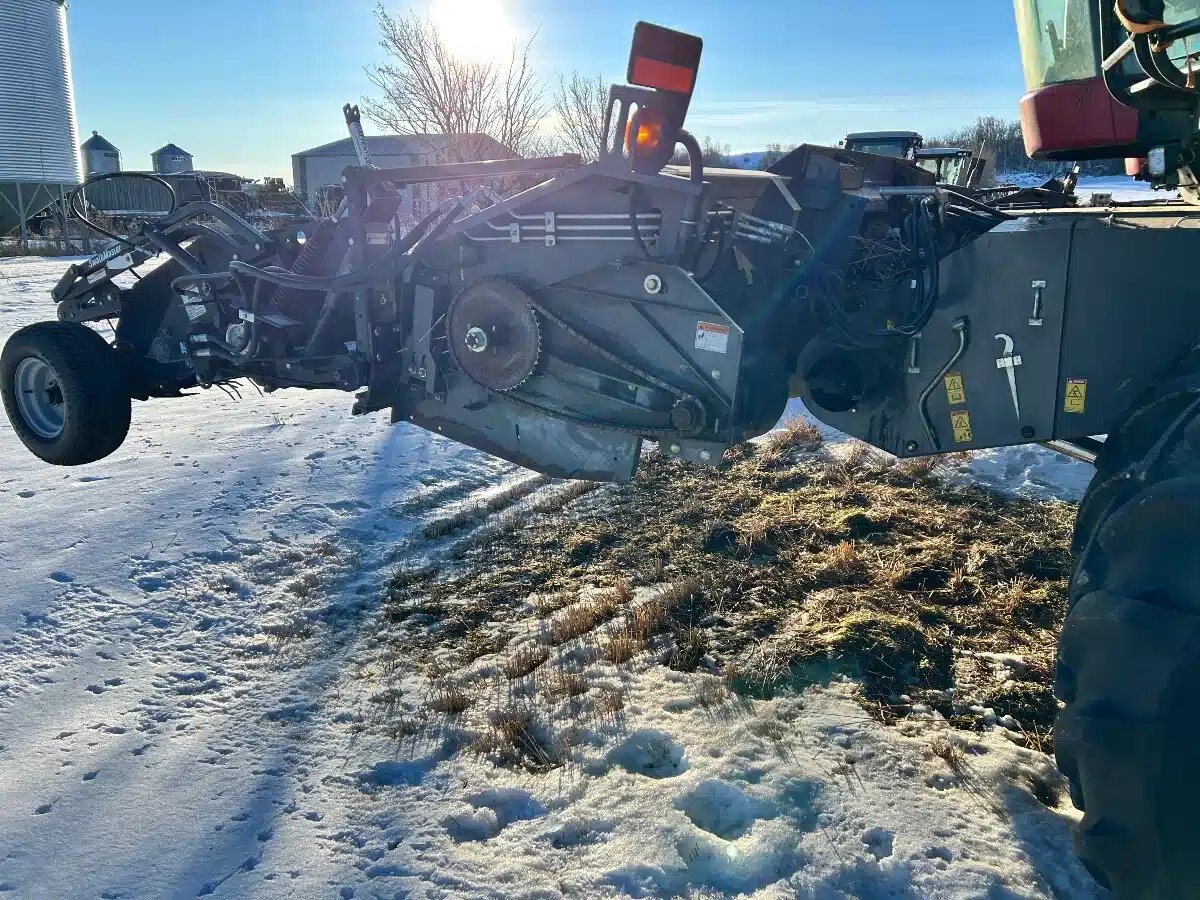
(39, 138)
(321, 167)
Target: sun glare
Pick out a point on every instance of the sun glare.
(474, 29)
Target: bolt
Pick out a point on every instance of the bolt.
(378, 357)
(675, 448)
(910, 447)
(1027, 432)
(716, 374)
(421, 372)
(258, 246)
(288, 366)
(476, 339)
(235, 256)
(439, 396)
(412, 370)
(705, 456)
(378, 332)
(652, 283)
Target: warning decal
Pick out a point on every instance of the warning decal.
(955, 391)
(1076, 401)
(960, 423)
(713, 337)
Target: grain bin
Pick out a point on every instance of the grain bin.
(100, 157)
(171, 159)
(39, 138)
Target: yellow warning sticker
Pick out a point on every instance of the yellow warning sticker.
(1076, 401)
(960, 423)
(955, 391)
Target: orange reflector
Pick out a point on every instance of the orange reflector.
(654, 73)
(649, 133)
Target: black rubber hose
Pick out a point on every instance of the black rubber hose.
(79, 213)
(347, 279)
(633, 221)
(962, 328)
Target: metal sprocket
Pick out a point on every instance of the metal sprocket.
(494, 334)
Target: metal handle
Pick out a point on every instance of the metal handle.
(1035, 317)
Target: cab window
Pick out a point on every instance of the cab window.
(1057, 41)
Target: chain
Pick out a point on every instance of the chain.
(678, 393)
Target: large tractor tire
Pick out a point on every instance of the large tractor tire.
(1129, 658)
(65, 392)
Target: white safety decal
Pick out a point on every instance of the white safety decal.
(711, 336)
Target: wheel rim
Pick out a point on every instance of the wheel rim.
(39, 397)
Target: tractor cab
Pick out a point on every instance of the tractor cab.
(1111, 79)
(898, 144)
(954, 166)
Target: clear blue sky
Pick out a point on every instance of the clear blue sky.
(243, 84)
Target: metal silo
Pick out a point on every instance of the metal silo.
(39, 139)
(170, 159)
(99, 156)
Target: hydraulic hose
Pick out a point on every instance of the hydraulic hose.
(352, 279)
(80, 214)
(962, 327)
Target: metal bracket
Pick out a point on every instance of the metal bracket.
(550, 235)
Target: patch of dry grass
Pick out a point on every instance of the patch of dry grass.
(546, 605)
(610, 703)
(562, 685)
(918, 468)
(808, 563)
(620, 647)
(476, 512)
(797, 434)
(305, 585)
(580, 618)
(514, 736)
(525, 659)
(560, 499)
(288, 631)
(949, 749)
(449, 696)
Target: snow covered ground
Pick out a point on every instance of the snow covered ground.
(162, 733)
(1123, 188)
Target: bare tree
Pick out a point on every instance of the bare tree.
(774, 153)
(426, 89)
(712, 153)
(580, 105)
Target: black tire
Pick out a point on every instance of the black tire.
(1129, 657)
(94, 392)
